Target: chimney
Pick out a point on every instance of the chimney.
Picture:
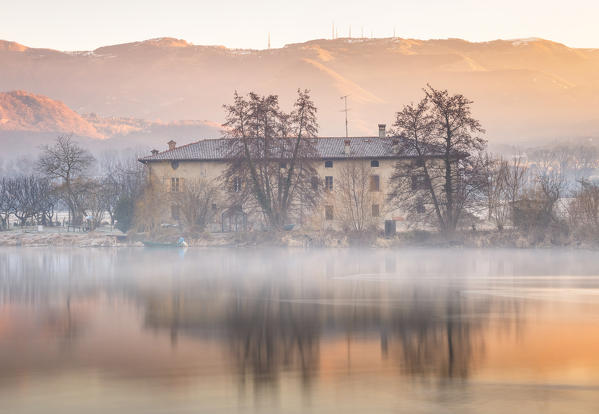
(154, 152)
(382, 132)
(171, 145)
(347, 148)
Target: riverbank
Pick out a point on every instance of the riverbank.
(301, 239)
(62, 239)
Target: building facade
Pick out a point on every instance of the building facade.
(375, 156)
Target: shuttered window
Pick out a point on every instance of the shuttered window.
(328, 183)
(236, 184)
(175, 185)
(375, 183)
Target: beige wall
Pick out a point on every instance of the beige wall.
(384, 171)
(162, 171)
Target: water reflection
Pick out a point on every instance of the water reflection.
(265, 318)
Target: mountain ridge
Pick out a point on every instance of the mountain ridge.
(522, 88)
(24, 111)
(29, 121)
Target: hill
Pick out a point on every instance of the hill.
(23, 111)
(28, 121)
(523, 89)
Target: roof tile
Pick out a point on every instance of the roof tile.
(326, 147)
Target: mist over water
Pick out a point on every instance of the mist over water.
(283, 330)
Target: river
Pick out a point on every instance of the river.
(137, 330)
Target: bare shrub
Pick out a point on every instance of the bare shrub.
(537, 208)
(506, 185)
(355, 198)
(583, 210)
(195, 203)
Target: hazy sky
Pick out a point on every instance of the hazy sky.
(87, 24)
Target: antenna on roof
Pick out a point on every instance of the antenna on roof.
(269, 40)
(333, 30)
(345, 110)
(350, 31)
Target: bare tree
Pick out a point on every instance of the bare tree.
(448, 178)
(537, 208)
(195, 203)
(550, 188)
(46, 201)
(7, 202)
(67, 162)
(583, 210)
(506, 185)
(94, 203)
(498, 208)
(358, 210)
(28, 198)
(122, 182)
(24, 193)
(516, 179)
(272, 155)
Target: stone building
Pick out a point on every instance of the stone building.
(207, 159)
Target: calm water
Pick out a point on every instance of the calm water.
(353, 331)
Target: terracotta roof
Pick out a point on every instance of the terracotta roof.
(326, 148)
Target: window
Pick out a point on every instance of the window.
(214, 208)
(420, 162)
(419, 182)
(328, 212)
(282, 165)
(374, 163)
(376, 210)
(328, 164)
(328, 183)
(175, 212)
(420, 207)
(175, 185)
(375, 183)
(236, 184)
(314, 183)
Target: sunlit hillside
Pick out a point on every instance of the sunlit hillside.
(523, 89)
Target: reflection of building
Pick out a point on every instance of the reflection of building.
(377, 156)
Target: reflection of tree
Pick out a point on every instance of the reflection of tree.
(269, 332)
(442, 333)
(274, 318)
(273, 325)
(277, 317)
(65, 324)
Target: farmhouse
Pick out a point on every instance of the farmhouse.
(207, 159)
